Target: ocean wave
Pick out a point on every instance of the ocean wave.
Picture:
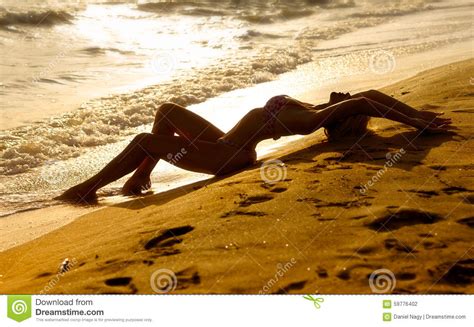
(34, 18)
(165, 6)
(108, 120)
(250, 11)
(400, 9)
(290, 13)
(101, 50)
(332, 4)
(204, 12)
(251, 33)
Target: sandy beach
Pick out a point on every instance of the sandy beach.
(319, 218)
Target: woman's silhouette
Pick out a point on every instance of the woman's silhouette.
(205, 148)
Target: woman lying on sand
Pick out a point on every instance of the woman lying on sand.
(205, 148)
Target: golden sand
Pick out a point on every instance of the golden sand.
(316, 230)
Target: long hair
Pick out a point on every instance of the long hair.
(348, 127)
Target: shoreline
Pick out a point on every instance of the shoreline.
(230, 233)
(407, 67)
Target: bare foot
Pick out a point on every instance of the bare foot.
(136, 185)
(81, 194)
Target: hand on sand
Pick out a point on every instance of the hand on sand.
(434, 117)
(79, 194)
(431, 127)
(136, 185)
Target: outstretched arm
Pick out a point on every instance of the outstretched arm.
(368, 107)
(402, 107)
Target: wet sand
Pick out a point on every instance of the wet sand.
(320, 227)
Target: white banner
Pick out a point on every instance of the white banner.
(235, 310)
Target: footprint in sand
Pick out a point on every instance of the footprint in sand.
(405, 276)
(248, 201)
(429, 245)
(121, 283)
(401, 218)
(318, 203)
(469, 199)
(395, 244)
(272, 187)
(187, 277)
(163, 244)
(424, 194)
(45, 274)
(469, 221)
(454, 189)
(438, 167)
(278, 190)
(457, 273)
(295, 286)
(168, 237)
(367, 250)
(345, 273)
(234, 213)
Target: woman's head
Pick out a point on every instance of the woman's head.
(351, 126)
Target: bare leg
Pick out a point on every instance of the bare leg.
(199, 156)
(126, 162)
(171, 119)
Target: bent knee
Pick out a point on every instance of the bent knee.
(366, 94)
(167, 108)
(141, 138)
